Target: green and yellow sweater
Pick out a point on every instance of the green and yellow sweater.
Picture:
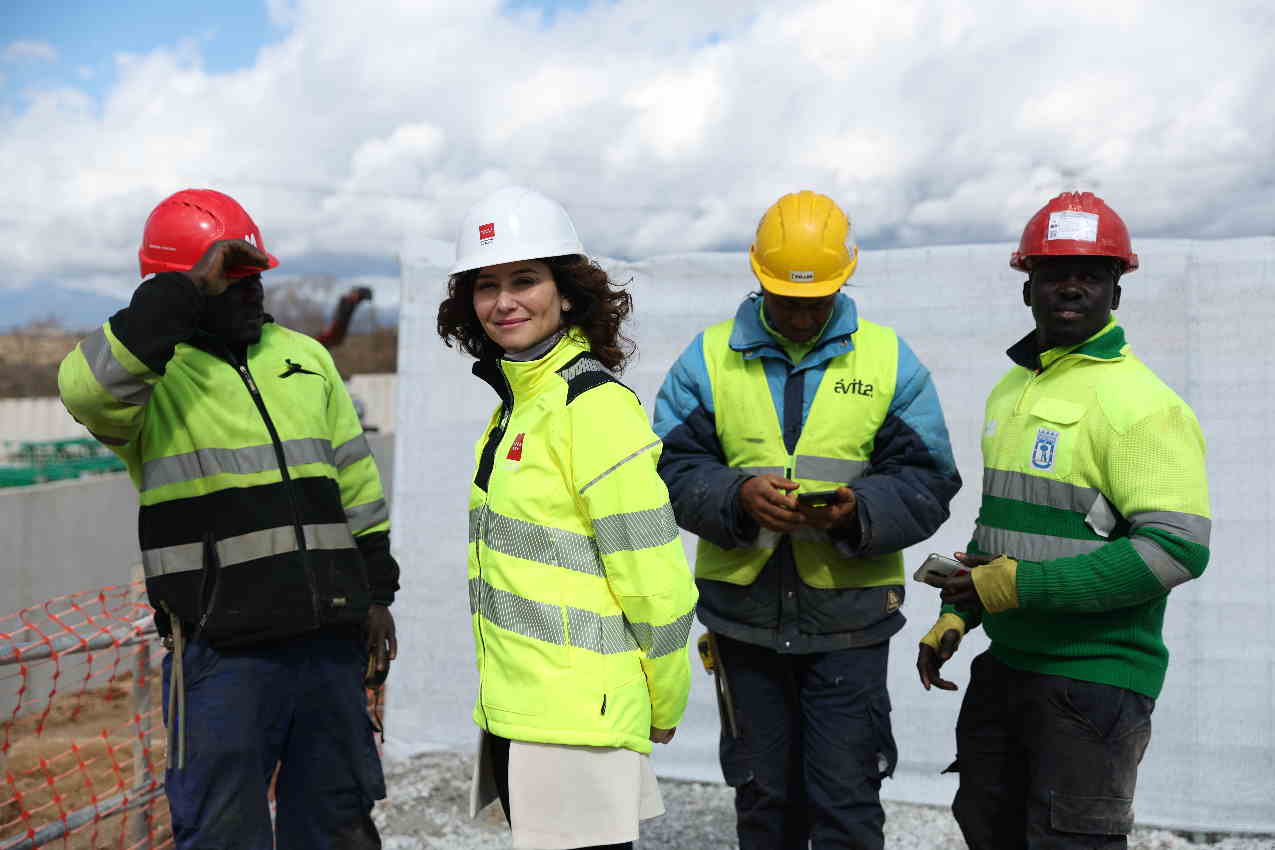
(1094, 481)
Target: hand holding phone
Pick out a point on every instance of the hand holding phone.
(936, 568)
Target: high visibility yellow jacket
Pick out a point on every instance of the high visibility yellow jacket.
(1094, 480)
(579, 590)
(261, 509)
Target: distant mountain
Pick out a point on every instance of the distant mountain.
(71, 309)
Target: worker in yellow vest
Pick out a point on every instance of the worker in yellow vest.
(794, 403)
(1095, 506)
(264, 534)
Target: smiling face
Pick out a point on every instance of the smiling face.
(237, 314)
(1071, 298)
(518, 303)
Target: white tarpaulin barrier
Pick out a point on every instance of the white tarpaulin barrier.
(1199, 313)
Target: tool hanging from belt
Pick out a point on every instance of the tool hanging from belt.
(712, 660)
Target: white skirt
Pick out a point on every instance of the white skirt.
(568, 796)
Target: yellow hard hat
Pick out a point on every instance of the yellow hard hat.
(804, 247)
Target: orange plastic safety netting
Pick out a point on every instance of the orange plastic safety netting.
(82, 743)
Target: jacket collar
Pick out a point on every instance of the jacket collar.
(750, 337)
(515, 380)
(1107, 344)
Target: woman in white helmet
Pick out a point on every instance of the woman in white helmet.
(579, 591)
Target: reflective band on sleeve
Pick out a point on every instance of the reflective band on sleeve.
(1162, 565)
(240, 549)
(763, 470)
(607, 472)
(1192, 527)
(248, 460)
(663, 640)
(1033, 489)
(828, 468)
(360, 517)
(122, 384)
(539, 543)
(1031, 547)
(352, 451)
(629, 532)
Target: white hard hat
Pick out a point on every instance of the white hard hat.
(514, 223)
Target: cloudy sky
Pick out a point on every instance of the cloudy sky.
(664, 126)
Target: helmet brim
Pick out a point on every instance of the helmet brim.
(803, 289)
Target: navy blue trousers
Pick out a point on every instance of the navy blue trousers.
(814, 745)
(299, 704)
(1047, 762)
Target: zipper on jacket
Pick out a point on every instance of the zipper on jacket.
(246, 376)
(482, 478)
(604, 705)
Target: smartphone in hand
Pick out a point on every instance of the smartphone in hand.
(937, 567)
(817, 499)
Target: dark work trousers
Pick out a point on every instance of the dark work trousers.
(500, 770)
(1047, 762)
(814, 743)
(300, 703)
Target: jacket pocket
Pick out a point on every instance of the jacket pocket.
(1090, 815)
(1054, 437)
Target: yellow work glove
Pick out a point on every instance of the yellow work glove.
(946, 622)
(997, 584)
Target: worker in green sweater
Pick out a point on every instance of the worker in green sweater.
(1095, 505)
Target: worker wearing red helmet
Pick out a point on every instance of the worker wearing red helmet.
(1095, 506)
(264, 535)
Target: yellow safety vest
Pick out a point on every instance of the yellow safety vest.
(834, 449)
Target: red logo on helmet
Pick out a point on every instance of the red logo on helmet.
(515, 449)
(486, 232)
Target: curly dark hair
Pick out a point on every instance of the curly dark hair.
(598, 308)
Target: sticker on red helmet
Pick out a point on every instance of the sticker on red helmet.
(486, 233)
(1074, 225)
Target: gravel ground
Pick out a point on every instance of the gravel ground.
(428, 807)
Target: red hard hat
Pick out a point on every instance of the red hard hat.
(1075, 223)
(184, 224)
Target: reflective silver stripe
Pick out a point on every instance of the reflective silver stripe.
(537, 620)
(637, 530)
(1162, 565)
(122, 384)
(186, 557)
(248, 460)
(351, 451)
(828, 468)
(1102, 518)
(360, 517)
(1031, 547)
(763, 470)
(607, 472)
(583, 366)
(476, 523)
(1192, 527)
(544, 622)
(603, 635)
(1035, 490)
(663, 640)
(532, 542)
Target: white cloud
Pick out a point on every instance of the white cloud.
(663, 127)
(26, 51)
